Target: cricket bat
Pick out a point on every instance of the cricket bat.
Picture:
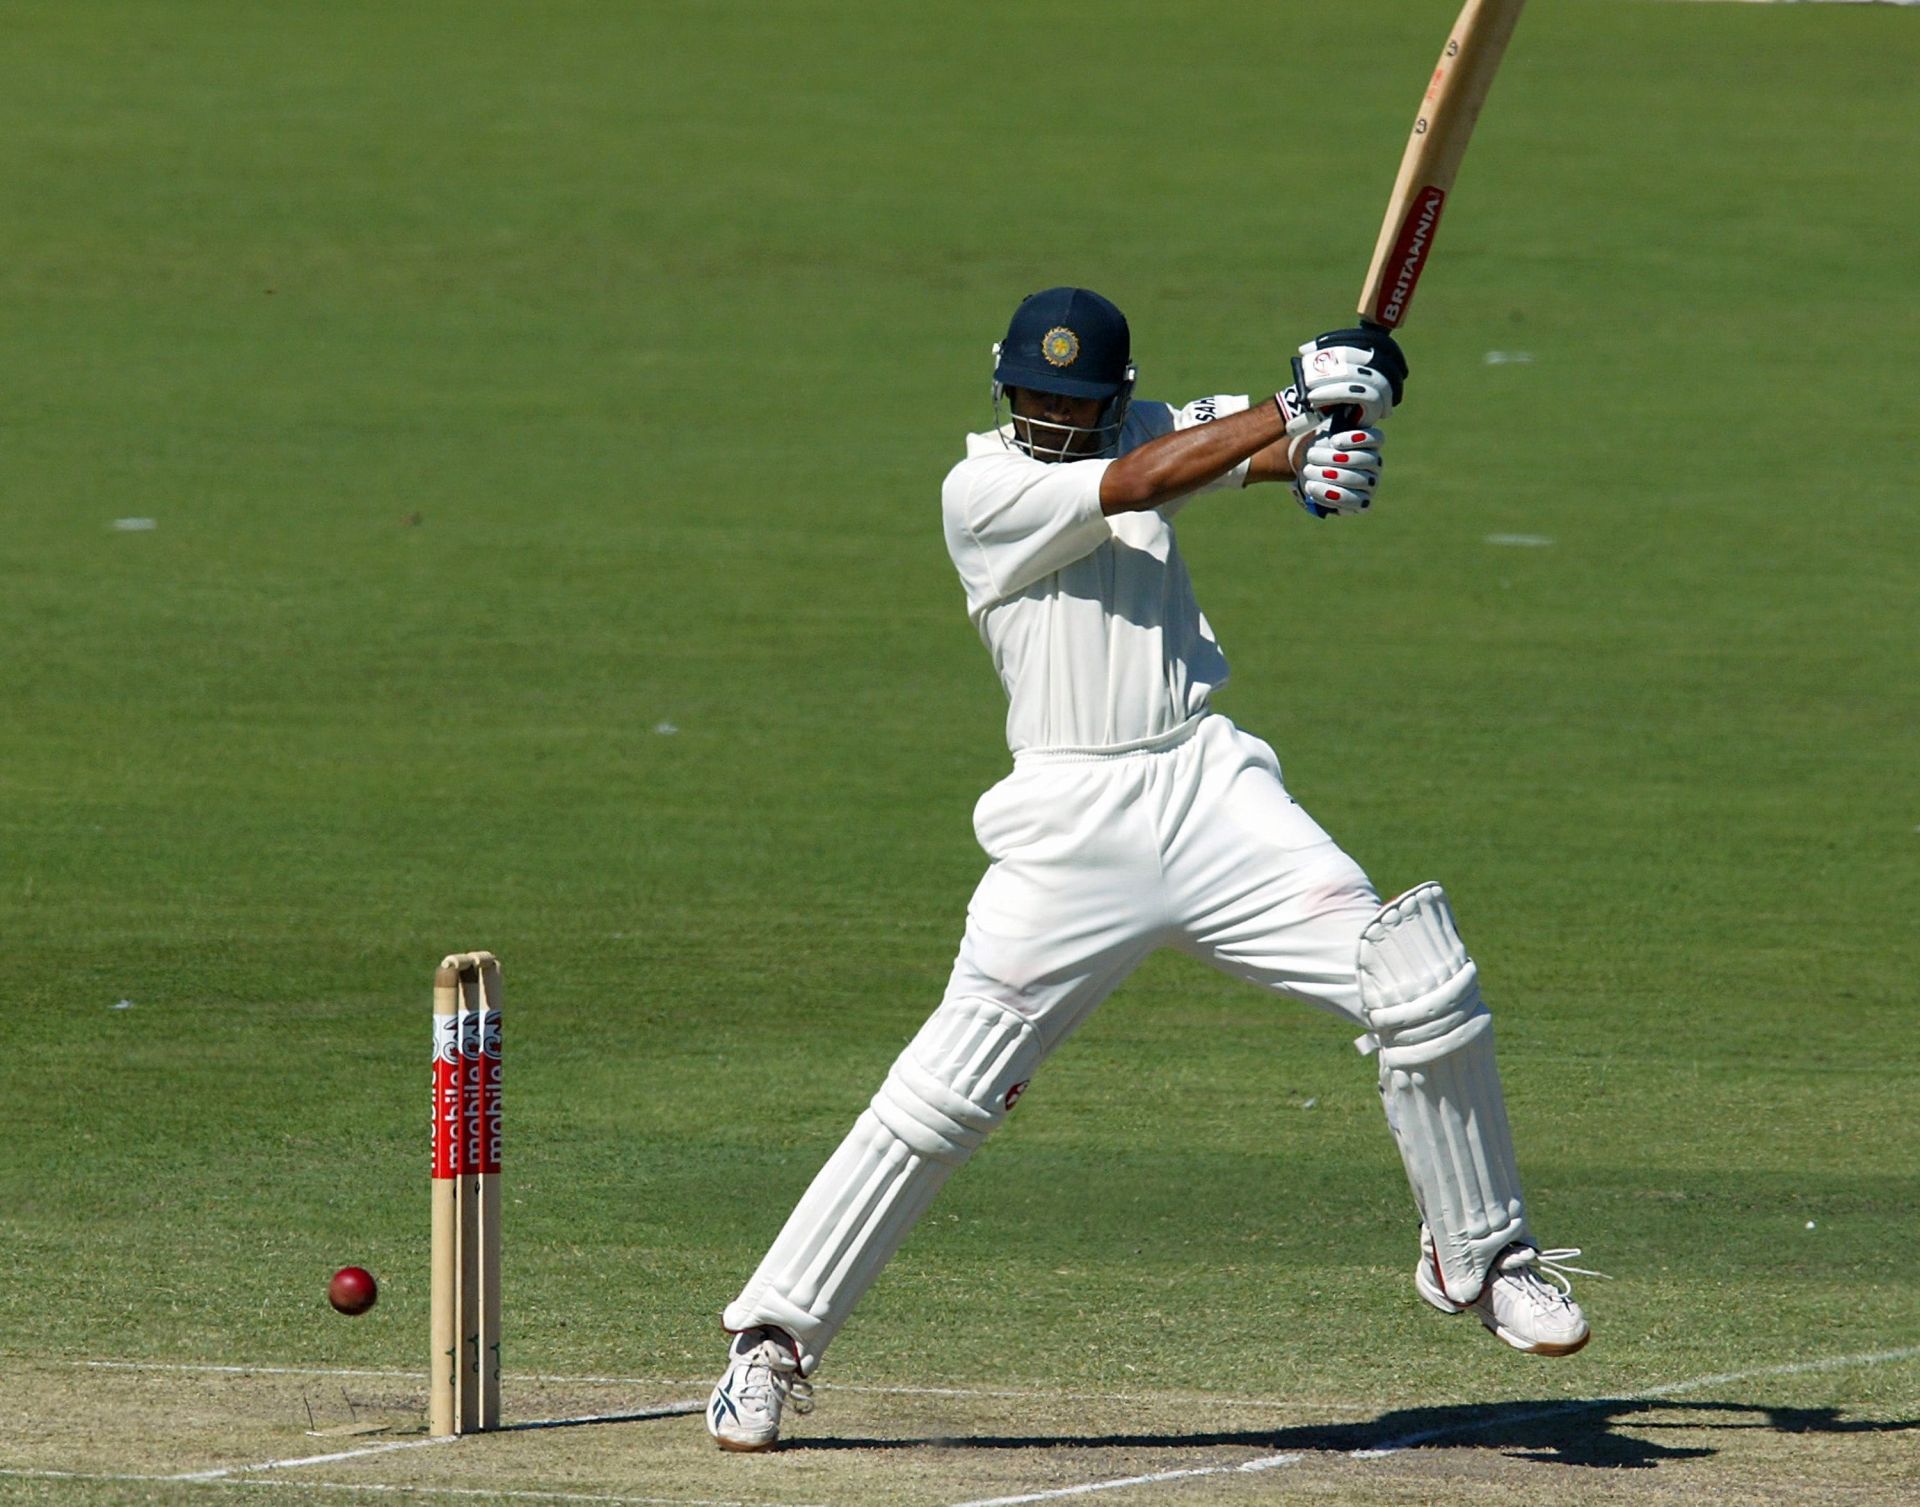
(1439, 140)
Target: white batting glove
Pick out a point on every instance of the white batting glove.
(1342, 377)
(1339, 471)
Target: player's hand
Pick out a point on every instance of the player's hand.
(1380, 351)
(1340, 470)
(1359, 369)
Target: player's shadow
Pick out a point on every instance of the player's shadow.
(1605, 1432)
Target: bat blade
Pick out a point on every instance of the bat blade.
(1440, 134)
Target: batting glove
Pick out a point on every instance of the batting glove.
(1339, 471)
(1358, 373)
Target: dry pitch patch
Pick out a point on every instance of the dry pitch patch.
(1842, 1430)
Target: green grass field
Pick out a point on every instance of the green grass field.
(540, 409)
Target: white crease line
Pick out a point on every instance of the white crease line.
(680, 1409)
(294, 1464)
(1268, 1462)
(667, 1410)
(1245, 1467)
(1274, 1462)
(525, 1494)
(1797, 1368)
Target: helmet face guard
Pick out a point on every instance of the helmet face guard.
(1073, 342)
(1047, 440)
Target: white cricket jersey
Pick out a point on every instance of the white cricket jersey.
(1091, 619)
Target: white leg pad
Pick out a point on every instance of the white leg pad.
(1440, 1085)
(952, 1085)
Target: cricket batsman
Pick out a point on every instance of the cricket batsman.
(1137, 818)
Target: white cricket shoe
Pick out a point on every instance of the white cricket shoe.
(1527, 1300)
(762, 1376)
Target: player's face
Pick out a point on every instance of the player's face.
(1052, 425)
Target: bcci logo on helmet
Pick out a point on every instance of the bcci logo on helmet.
(1060, 346)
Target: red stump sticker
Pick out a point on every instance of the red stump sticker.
(446, 1096)
(466, 1093)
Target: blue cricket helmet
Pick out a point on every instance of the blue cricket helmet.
(1066, 340)
(1073, 342)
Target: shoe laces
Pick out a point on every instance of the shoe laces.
(780, 1378)
(1554, 1266)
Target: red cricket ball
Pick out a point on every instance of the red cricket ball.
(353, 1289)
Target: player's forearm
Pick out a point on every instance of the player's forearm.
(1279, 461)
(1178, 463)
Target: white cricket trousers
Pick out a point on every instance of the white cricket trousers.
(1098, 859)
